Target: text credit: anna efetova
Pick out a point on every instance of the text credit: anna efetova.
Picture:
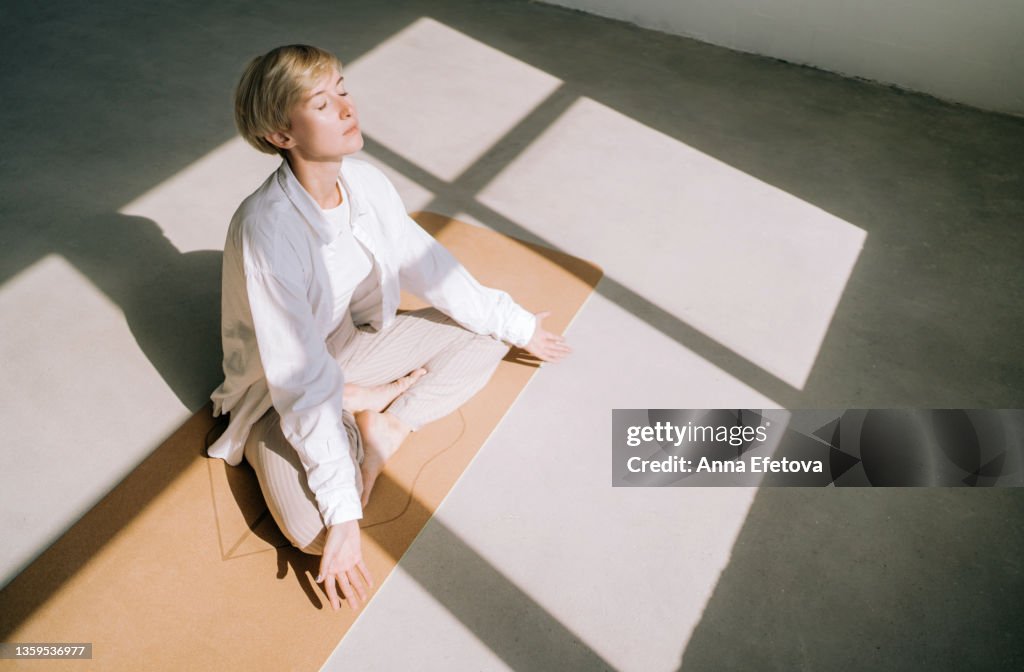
(818, 448)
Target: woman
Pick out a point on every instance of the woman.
(323, 380)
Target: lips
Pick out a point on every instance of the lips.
(355, 127)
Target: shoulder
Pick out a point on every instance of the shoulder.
(267, 230)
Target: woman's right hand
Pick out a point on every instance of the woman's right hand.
(342, 564)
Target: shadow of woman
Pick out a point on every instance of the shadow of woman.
(170, 299)
(171, 303)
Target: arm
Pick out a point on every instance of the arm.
(306, 387)
(430, 271)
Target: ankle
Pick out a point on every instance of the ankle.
(396, 424)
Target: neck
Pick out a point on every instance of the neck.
(319, 179)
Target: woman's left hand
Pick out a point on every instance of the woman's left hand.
(544, 345)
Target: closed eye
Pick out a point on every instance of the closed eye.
(324, 106)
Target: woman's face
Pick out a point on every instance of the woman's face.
(325, 126)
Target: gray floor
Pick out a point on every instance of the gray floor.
(773, 235)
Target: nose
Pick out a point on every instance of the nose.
(347, 108)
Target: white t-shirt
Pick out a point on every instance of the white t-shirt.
(356, 265)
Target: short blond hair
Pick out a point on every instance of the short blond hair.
(271, 86)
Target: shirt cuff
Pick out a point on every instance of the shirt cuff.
(521, 327)
(348, 508)
(333, 480)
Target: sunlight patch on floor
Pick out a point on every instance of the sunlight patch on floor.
(194, 206)
(71, 371)
(742, 261)
(440, 98)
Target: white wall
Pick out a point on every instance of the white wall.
(969, 51)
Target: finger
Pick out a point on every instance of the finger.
(332, 592)
(348, 592)
(357, 582)
(366, 573)
(557, 349)
(542, 314)
(558, 355)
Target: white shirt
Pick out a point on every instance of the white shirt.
(281, 276)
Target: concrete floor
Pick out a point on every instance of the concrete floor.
(773, 235)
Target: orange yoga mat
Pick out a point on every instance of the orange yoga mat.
(181, 566)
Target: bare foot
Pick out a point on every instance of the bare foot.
(358, 398)
(382, 434)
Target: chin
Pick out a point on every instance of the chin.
(355, 145)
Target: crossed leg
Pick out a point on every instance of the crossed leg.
(457, 363)
(448, 363)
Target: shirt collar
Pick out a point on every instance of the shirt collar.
(309, 209)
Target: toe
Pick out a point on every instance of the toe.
(403, 384)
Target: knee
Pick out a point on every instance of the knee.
(315, 547)
(301, 534)
(494, 348)
(490, 352)
(298, 518)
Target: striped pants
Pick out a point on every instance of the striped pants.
(458, 364)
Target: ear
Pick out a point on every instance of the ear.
(280, 139)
